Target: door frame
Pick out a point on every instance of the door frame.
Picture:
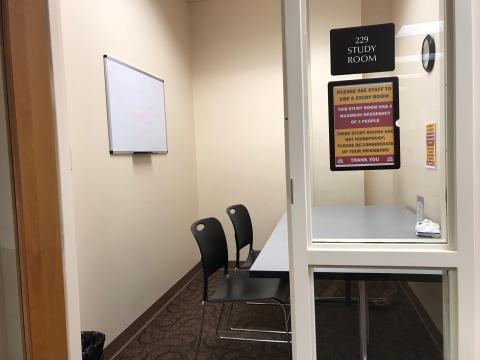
(32, 131)
(460, 257)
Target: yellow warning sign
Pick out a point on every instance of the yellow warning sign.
(431, 145)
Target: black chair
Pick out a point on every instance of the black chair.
(233, 288)
(242, 224)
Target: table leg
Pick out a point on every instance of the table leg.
(348, 292)
(367, 311)
(363, 313)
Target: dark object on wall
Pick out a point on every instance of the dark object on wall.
(363, 122)
(362, 49)
(92, 345)
(428, 53)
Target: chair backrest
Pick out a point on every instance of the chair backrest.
(242, 224)
(212, 243)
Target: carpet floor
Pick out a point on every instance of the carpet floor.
(396, 331)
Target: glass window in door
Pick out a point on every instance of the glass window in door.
(380, 120)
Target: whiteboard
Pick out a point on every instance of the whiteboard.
(136, 109)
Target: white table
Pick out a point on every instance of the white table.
(354, 222)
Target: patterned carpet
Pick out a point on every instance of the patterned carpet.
(396, 332)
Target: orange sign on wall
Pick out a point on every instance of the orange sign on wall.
(431, 145)
(363, 130)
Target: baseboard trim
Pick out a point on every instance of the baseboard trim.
(122, 340)
(432, 329)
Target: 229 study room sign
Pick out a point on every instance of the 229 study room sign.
(362, 49)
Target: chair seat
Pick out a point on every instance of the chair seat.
(252, 256)
(240, 287)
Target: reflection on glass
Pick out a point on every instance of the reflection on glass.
(11, 344)
(381, 205)
(404, 320)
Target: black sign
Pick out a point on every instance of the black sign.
(362, 49)
(364, 133)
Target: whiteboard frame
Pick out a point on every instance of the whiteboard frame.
(112, 152)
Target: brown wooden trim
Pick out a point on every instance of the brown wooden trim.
(122, 340)
(32, 134)
(432, 329)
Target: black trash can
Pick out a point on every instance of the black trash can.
(92, 345)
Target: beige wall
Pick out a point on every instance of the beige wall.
(430, 296)
(329, 188)
(67, 206)
(238, 97)
(421, 100)
(132, 213)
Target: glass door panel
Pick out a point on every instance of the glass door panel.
(378, 128)
(372, 144)
(403, 320)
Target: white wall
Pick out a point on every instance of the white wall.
(238, 97)
(131, 213)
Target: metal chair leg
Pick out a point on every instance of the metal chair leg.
(348, 292)
(287, 337)
(229, 315)
(363, 322)
(260, 331)
(343, 299)
(287, 341)
(223, 337)
(218, 321)
(197, 347)
(250, 330)
(263, 303)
